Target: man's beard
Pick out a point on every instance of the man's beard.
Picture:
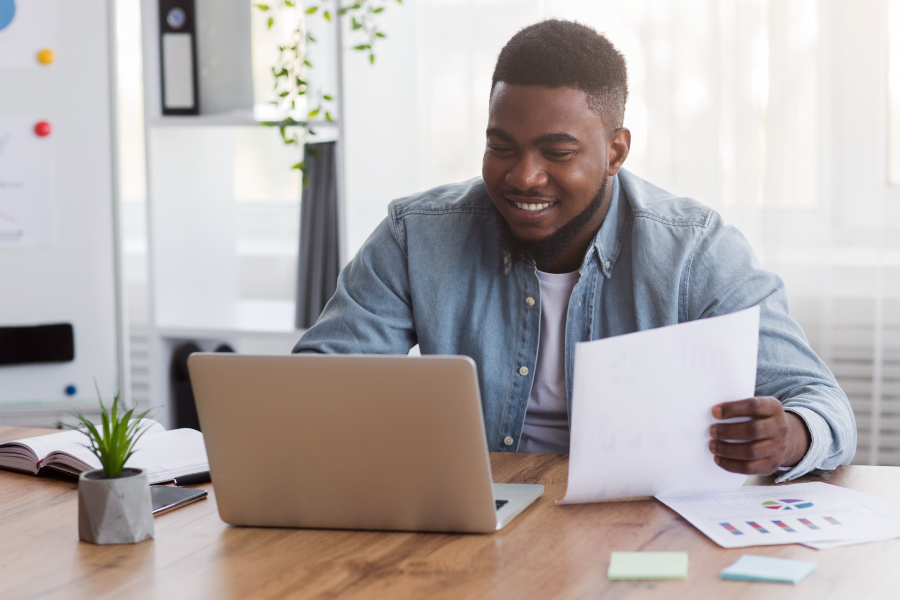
(544, 253)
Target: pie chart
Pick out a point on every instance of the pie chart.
(787, 504)
(7, 12)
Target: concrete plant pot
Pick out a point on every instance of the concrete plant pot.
(116, 510)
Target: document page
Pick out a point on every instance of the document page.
(641, 408)
(799, 513)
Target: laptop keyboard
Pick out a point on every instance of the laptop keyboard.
(500, 503)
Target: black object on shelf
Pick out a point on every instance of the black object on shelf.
(37, 344)
(178, 57)
(185, 406)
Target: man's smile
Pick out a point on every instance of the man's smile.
(529, 210)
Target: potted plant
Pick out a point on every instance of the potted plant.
(114, 504)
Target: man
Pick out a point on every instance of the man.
(558, 244)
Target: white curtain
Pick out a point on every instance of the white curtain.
(774, 112)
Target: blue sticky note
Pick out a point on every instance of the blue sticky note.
(751, 567)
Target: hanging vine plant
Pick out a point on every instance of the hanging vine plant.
(289, 74)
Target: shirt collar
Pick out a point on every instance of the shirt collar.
(606, 242)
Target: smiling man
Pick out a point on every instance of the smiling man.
(557, 244)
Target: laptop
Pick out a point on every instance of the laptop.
(350, 442)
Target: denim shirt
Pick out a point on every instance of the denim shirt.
(433, 273)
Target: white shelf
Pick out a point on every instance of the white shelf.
(238, 118)
(255, 317)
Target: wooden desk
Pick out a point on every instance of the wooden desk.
(549, 551)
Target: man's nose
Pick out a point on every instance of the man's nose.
(528, 173)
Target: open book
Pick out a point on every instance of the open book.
(164, 454)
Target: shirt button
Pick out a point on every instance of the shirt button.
(607, 264)
(508, 441)
(529, 301)
(523, 371)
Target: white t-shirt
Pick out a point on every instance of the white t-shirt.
(546, 428)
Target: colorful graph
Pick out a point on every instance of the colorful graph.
(731, 528)
(784, 526)
(787, 504)
(808, 523)
(832, 520)
(757, 527)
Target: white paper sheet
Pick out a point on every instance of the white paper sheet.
(888, 509)
(803, 513)
(26, 185)
(641, 408)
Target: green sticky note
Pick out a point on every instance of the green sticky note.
(648, 565)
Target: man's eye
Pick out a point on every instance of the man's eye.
(499, 149)
(560, 153)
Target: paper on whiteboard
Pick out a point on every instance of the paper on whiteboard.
(26, 28)
(26, 184)
(799, 513)
(641, 408)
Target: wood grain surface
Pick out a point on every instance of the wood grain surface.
(549, 551)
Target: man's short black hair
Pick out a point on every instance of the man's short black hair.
(556, 53)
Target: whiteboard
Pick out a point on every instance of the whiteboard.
(67, 271)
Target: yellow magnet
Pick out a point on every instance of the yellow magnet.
(46, 56)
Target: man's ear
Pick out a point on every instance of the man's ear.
(617, 147)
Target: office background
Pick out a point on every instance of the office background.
(782, 114)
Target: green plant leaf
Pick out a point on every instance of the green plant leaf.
(328, 116)
(307, 63)
(114, 441)
(288, 3)
(377, 10)
(362, 47)
(371, 59)
(300, 166)
(283, 94)
(312, 10)
(327, 97)
(313, 112)
(379, 34)
(270, 22)
(262, 6)
(327, 15)
(309, 37)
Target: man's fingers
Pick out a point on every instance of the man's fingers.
(760, 450)
(753, 467)
(760, 406)
(757, 429)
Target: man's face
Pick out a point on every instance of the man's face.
(546, 158)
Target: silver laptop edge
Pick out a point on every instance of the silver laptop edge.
(350, 442)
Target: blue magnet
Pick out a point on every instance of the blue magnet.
(71, 390)
(7, 13)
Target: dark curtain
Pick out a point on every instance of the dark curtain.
(317, 261)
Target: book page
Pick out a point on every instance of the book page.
(169, 455)
(71, 442)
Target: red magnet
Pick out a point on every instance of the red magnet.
(42, 128)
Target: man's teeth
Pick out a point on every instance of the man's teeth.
(532, 207)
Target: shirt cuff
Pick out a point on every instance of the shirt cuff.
(820, 442)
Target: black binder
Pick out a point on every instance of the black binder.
(178, 57)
